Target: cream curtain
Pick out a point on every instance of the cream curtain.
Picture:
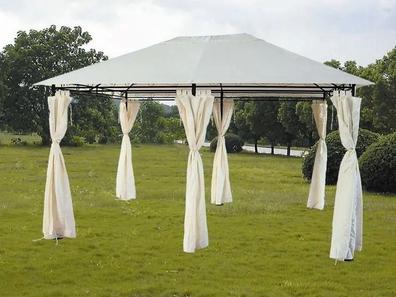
(58, 218)
(221, 188)
(316, 197)
(348, 206)
(195, 113)
(125, 183)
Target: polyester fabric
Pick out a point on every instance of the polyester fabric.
(58, 218)
(125, 183)
(221, 188)
(237, 59)
(316, 197)
(348, 206)
(195, 114)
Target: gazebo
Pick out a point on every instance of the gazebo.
(205, 75)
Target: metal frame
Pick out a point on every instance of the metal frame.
(257, 92)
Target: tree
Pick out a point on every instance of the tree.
(171, 129)
(2, 92)
(305, 118)
(255, 120)
(94, 118)
(267, 117)
(148, 123)
(378, 109)
(241, 123)
(247, 122)
(35, 56)
(333, 63)
(287, 116)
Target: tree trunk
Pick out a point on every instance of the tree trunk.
(288, 149)
(255, 146)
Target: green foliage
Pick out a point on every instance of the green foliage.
(94, 117)
(77, 141)
(72, 137)
(3, 91)
(18, 141)
(335, 153)
(255, 120)
(233, 142)
(147, 126)
(333, 63)
(35, 56)
(90, 136)
(171, 129)
(288, 117)
(307, 124)
(378, 109)
(157, 123)
(378, 165)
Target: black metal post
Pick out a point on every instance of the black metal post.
(126, 100)
(221, 102)
(353, 90)
(53, 90)
(194, 89)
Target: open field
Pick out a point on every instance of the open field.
(6, 138)
(266, 243)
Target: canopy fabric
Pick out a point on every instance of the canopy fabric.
(316, 197)
(125, 182)
(235, 59)
(58, 217)
(221, 188)
(348, 206)
(195, 114)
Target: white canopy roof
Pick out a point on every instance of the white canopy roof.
(228, 59)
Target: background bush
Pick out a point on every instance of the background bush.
(335, 153)
(378, 165)
(233, 143)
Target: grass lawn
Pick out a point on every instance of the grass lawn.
(6, 138)
(266, 243)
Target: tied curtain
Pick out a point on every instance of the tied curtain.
(316, 197)
(221, 188)
(195, 114)
(348, 206)
(58, 218)
(125, 183)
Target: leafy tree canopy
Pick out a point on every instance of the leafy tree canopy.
(35, 56)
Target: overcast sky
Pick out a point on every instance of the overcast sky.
(361, 30)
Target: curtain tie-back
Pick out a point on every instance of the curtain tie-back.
(57, 141)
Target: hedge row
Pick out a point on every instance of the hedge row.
(377, 160)
(335, 153)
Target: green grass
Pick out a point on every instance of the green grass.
(266, 243)
(5, 138)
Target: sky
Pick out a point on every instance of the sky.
(361, 30)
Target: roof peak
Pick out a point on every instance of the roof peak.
(220, 37)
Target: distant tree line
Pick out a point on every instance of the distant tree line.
(291, 123)
(40, 54)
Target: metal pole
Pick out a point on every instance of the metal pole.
(353, 90)
(194, 89)
(53, 90)
(221, 102)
